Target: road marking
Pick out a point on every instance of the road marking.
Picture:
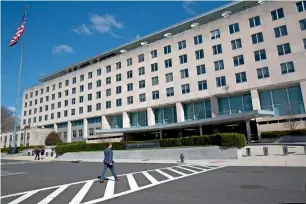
(12, 173)
(110, 189)
(180, 167)
(151, 178)
(178, 172)
(50, 197)
(194, 167)
(20, 162)
(132, 183)
(81, 194)
(22, 198)
(165, 174)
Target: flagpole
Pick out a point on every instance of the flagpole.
(13, 148)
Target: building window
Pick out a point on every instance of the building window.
(74, 133)
(81, 99)
(108, 80)
(46, 118)
(98, 106)
(182, 44)
(130, 87)
(169, 77)
(141, 58)
(220, 81)
(73, 101)
(219, 65)
(185, 88)
(170, 91)
(99, 72)
(184, 73)
(59, 104)
(300, 6)
(155, 95)
(142, 97)
(73, 90)
(59, 95)
(129, 62)
(53, 95)
(118, 65)
(260, 55)
(284, 49)
(129, 74)
(89, 75)
(280, 31)
(59, 86)
(217, 49)
(215, 34)
(255, 21)
(234, 28)
(108, 68)
(89, 108)
(73, 80)
(89, 86)
(31, 94)
(89, 97)
(66, 94)
(257, 38)
(277, 14)
(80, 133)
(154, 67)
(98, 94)
(130, 100)
(241, 77)
(58, 114)
(72, 111)
(201, 69)
(141, 71)
(98, 83)
(91, 131)
(118, 102)
(67, 82)
(202, 85)
(118, 90)
(199, 54)
(142, 84)
(154, 81)
(118, 77)
(304, 41)
(236, 44)
(41, 100)
(287, 67)
(108, 92)
(197, 39)
(154, 54)
(53, 88)
(263, 73)
(238, 60)
(82, 77)
(108, 104)
(66, 102)
(167, 49)
(183, 59)
(168, 63)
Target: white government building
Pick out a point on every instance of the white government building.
(240, 67)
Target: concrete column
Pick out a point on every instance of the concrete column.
(161, 134)
(248, 129)
(255, 99)
(180, 112)
(105, 124)
(214, 106)
(151, 117)
(201, 130)
(303, 90)
(55, 127)
(69, 132)
(126, 120)
(85, 128)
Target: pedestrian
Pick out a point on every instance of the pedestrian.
(37, 153)
(108, 164)
(42, 152)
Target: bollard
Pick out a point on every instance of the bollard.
(266, 151)
(51, 155)
(29, 153)
(47, 154)
(248, 152)
(182, 158)
(285, 150)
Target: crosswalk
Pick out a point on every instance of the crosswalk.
(91, 191)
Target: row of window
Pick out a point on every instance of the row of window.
(217, 49)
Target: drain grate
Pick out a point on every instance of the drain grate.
(251, 187)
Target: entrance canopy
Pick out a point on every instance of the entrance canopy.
(245, 116)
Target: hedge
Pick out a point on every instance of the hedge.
(275, 134)
(222, 139)
(21, 148)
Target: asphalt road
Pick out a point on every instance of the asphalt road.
(169, 184)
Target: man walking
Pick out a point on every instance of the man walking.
(36, 150)
(108, 163)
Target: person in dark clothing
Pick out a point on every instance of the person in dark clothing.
(108, 164)
(37, 153)
(42, 152)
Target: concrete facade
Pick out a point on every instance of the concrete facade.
(98, 91)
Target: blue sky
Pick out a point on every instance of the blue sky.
(58, 34)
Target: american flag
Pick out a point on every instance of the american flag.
(19, 32)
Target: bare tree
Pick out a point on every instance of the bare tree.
(7, 119)
(292, 120)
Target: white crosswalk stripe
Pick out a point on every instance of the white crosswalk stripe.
(109, 190)
(18, 162)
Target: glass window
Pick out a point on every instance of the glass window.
(168, 63)
(197, 39)
(220, 81)
(287, 67)
(255, 21)
(141, 71)
(260, 55)
(263, 73)
(155, 95)
(108, 68)
(108, 92)
(118, 77)
(82, 77)
(283, 49)
(202, 85)
(241, 77)
(142, 84)
(118, 102)
(304, 41)
(185, 88)
(169, 77)
(199, 54)
(257, 38)
(141, 58)
(129, 62)
(108, 104)
(89, 86)
(217, 49)
(201, 69)
(129, 74)
(300, 6)
(154, 67)
(130, 87)
(170, 91)
(130, 100)
(184, 73)
(118, 65)
(118, 90)
(219, 65)
(98, 106)
(215, 34)
(238, 60)
(280, 31)
(183, 59)
(236, 44)
(89, 75)
(167, 49)
(98, 83)
(154, 54)
(277, 14)
(234, 28)
(142, 97)
(182, 44)
(154, 81)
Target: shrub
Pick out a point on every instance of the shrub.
(176, 142)
(232, 140)
(275, 134)
(201, 140)
(53, 139)
(21, 148)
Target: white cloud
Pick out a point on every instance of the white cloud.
(82, 29)
(100, 24)
(62, 48)
(187, 6)
(11, 108)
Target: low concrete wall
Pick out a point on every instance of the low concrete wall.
(285, 139)
(193, 153)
